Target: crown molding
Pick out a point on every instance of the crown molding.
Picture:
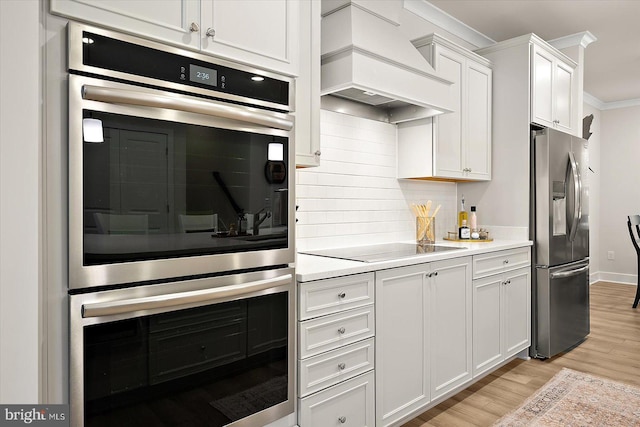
(429, 12)
(602, 106)
(582, 39)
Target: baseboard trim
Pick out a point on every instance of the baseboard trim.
(605, 276)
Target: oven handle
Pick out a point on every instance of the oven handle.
(210, 108)
(111, 308)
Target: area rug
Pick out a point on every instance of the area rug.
(573, 398)
(252, 400)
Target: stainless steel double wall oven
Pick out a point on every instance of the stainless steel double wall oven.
(181, 234)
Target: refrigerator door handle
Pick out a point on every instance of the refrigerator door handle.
(577, 198)
(569, 273)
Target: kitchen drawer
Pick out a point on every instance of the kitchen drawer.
(501, 261)
(330, 368)
(175, 355)
(333, 331)
(330, 296)
(350, 403)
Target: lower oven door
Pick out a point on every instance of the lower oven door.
(206, 352)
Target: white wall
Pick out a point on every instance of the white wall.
(20, 201)
(619, 179)
(594, 191)
(353, 198)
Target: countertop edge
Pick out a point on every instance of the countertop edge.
(312, 267)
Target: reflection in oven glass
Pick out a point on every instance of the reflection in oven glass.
(203, 366)
(161, 189)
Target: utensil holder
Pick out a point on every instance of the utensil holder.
(425, 230)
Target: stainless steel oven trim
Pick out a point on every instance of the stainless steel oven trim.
(179, 299)
(74, 38)
(113, 95)
(81, 276)
(282, 281)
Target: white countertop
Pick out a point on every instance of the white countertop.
(312, 267)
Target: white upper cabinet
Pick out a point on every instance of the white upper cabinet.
(536, 83)
(171, 21)
(254, 32)
(308, 87)
(457, 145)
(257, 32)
(552, 90)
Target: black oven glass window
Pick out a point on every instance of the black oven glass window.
(206, 366)
(159, 189)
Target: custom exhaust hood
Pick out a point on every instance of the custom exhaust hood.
(366, 59)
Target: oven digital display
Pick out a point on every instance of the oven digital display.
(203, 75)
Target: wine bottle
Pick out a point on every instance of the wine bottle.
(464, 232)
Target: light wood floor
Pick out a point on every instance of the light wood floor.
(612, 350)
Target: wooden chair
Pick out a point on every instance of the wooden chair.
(634, 220)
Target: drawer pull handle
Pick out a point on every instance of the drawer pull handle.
(342, 420)
(342, 295)
(342, 330)
(341, 366)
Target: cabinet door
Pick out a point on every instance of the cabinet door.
(169, 21)
(517, 311)
(542, 91)
(255, 32)
(448, 147)
(402, 342)
(308, 87)
(450, 324)
(563, 86)
(478, 122)
(487, 323)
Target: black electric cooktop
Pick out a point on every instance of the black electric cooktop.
(376, 253)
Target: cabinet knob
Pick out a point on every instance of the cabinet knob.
(341, 330)
(211, 32)
(317, 153)
(342, 295)
(506, 261)
(341, 366)
(194, 27)
(342, 420)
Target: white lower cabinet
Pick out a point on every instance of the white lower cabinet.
(347, 404)
(423, 335)
(501, 311)
(376, 349)
(336, 352)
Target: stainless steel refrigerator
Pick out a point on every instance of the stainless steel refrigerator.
(560, 231)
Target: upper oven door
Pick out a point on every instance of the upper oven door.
(165, 185)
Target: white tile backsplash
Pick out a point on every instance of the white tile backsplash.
(354, 198)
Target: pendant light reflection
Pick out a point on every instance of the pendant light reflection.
(257, 78)
(275, 151)
(92, 130)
